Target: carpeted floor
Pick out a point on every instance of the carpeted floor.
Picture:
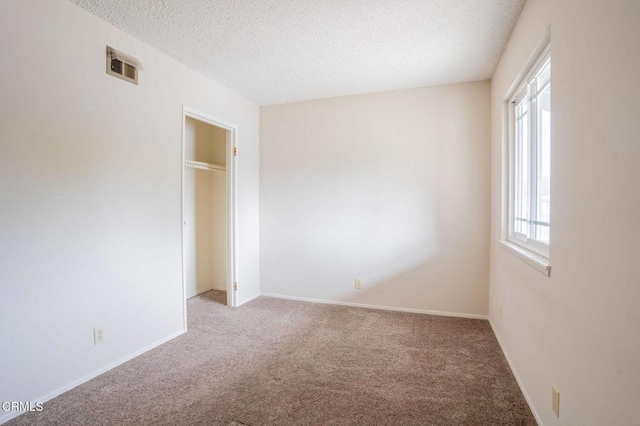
(282, 362)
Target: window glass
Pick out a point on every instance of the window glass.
(522, 168)
(530, 161)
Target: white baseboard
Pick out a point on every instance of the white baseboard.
(383, 308)
(515, 374)
(255, 296)
(92, 375)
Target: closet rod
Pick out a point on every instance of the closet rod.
(204, 166)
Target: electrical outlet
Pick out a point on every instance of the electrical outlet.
(358, 283)
(555, 400)
(98, 335)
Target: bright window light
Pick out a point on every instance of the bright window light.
(530, 160)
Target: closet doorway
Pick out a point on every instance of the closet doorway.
(208, 200)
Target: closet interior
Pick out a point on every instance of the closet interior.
(205, 208)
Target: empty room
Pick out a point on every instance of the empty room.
(319, 212)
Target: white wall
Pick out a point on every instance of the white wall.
(90, 181)
(578, 328)
(205, 209)
(392, 188)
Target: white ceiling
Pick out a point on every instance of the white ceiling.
(276, 51)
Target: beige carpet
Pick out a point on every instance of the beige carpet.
(281, 362)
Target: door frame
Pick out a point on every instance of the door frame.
(232, 140)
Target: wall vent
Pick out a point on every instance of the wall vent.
(122, 66)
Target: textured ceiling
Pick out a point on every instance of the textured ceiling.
(276, 51)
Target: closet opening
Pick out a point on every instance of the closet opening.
(208, 195)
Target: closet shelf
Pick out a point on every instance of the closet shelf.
(204, 166)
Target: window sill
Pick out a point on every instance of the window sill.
(539, 263)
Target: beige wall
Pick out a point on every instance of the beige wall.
(392, 188)
(205, 208)
(90, 196)
(578, 329)
(204, 142)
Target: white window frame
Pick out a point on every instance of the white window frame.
(533, 251)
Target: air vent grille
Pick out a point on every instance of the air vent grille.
(122, 66)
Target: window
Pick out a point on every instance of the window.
(530, 159)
